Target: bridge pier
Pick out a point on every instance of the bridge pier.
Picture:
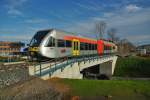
(107, 68)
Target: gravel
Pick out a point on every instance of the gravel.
(16, 84)
(12, 74)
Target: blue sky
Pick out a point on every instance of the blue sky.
(20, 19)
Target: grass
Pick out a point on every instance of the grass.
(136, 90)
(133, 67)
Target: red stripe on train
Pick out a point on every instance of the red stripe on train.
(80, 39)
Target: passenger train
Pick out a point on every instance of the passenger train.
(53, 43)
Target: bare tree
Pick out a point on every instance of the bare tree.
(100, 29)
(125, 47)
(112, 34)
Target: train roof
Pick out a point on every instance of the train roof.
(66, 32)
(74, 34)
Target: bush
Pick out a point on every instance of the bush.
(133, 67)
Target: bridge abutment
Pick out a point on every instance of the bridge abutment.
(107, 68)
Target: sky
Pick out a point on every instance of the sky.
(21, 19)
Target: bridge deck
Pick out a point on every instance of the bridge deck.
(48, 68)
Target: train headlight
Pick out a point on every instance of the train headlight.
(32, 53)
(35, 49)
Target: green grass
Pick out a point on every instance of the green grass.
(133, 67)
(135, 90)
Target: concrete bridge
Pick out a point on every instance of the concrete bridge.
(72, 68)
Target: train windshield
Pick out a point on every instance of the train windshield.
(38, 37)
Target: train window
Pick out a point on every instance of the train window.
(86, 46)
(89, 46)
(74, 45)
(77, 46)
(82, 46)
(110, 47)
(38, 37)
(105, 47)
(51, 42)
(61, 43)
(93, 46)
(68, 43)
(113, 47)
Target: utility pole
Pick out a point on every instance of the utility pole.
(100, 29)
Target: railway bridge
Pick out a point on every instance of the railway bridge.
(74, 67)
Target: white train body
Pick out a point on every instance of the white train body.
(56, 44)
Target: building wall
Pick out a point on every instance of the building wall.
(144, 48)
(7, 48)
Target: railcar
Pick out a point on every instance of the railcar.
(53, 43)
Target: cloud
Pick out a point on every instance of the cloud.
(36, 21)
(14, 12)
(126, 20)
(16, 38)
(13, 7)
(89, 5)
(132, 8)
(126, 23)
(139, 37)
(7, 31)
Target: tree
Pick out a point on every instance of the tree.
(125, 47)
(100, 29)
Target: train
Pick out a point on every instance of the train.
(54, 43)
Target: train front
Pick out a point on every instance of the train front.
(34, 46)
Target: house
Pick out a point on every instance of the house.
(10, 48)
(144, 49)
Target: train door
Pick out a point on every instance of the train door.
(100, 47)
(75, 47)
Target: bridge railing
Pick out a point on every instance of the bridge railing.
(57, 64)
